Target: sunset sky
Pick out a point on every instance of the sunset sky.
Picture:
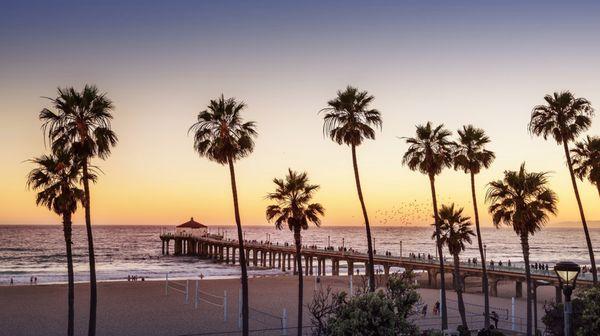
(448, 62)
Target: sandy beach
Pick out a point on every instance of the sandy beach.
(141, 308)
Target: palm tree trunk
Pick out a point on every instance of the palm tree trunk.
(92, 256)
(458, 287)
(440, 253)
(525, 247)
(370, 267)
(583, 221)
(598, 187)
(242, 254)
(298, 241)
(67, 229)
(486, 295)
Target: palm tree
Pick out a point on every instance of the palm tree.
(429, 153)
(523, 201)
(55, 177)
(455, 232)
(470, 157)
(563, 118)
(81, 123)
(586, 160)
(349, 120)
(292, 206)
(222, 136)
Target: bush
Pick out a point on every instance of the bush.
(379, 313)
(586, 314)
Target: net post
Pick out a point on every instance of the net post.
(240, 309)
(196, 296)
(167, 284)
(513, 306)
(187, 291)
(224, 306)
(284, 322)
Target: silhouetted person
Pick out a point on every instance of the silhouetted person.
(495, 318)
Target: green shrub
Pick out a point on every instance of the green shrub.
(385, 312)
(586, 314)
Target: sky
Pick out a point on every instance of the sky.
(481, 63)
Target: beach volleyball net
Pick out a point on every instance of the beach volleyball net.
(200, 296)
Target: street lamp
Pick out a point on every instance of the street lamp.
(401, 249)
(484, 252)
(567, 272)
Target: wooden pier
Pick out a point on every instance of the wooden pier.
(282, 256)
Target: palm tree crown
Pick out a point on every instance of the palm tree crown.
(471, 155)
(563, 117)
(82, 121)
(522, 200)
(292, 197)
(348, 118)
(586, 159)
(56, 178)
(220, 134)
(430, 151)
(455, 229)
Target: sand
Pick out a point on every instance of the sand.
(142, 308)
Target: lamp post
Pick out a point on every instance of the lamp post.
(567, 272)
(484, 252)
(374, 248)
(401, 249)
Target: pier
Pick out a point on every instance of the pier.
(282, 256)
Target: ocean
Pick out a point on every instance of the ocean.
(38, 250)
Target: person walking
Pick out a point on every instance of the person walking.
(495, 318)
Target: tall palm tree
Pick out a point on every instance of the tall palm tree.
(349, 120)
(455, 232)
(222, 136)
(523, 201)
(56, 177)
(292, 198)
(586, 160)
(471, 156)
(81, 123)
(429, 153)
(563, 118)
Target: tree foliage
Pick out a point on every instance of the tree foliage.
(385, 312)
(586, 314)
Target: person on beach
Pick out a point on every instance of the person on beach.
(495, 318)
(436, 308)
(12, 281)
(424, 311)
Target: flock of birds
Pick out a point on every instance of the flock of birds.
(407, 213)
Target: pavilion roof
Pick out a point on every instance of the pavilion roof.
(192, 224)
